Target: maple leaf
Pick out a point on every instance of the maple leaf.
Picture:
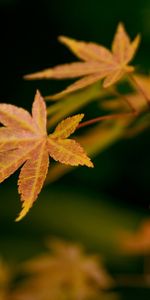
(97, 62)
(24, 141)
(67, 272)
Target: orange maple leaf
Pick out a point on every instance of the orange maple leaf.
(97, 62)
(24, 140)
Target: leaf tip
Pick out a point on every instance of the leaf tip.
(63, 39)
(25, 208)
(81, 116)
(121, 26)
(90, 164)
(136, 42)
(38, 97)
(29, 76)
(39, 75)
(68, 42)
(38, 94)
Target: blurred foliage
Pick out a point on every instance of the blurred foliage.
(66, 273)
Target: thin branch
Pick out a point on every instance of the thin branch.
(104, 118)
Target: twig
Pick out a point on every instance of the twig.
(103, 118)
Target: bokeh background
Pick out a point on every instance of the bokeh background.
(83, 206)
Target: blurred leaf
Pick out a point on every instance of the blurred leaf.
(73, 103)
(67, 272)
(78, 215)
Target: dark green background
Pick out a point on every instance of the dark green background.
(91, 207)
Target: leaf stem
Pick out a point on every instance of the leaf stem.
(108, 117)
(139, 89)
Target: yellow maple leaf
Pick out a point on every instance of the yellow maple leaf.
(24, 141)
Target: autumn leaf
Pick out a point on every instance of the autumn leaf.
(97, 62)
(66, 272)
(24, 141)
